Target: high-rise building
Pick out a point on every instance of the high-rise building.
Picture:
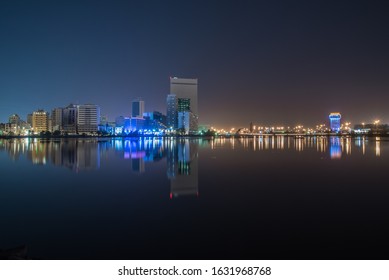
(335, 121)
(172, 111)
(183, 105)
(88, 118)
(138, 108)
(185, 88)
(56, 119)
(183, 98)
(40, 121)
(69, 119)
(187, 122)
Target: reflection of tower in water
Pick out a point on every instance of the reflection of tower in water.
(138, 164)
(38, 152)
(88, 156)
(335, 148)
(182, 167)
(135, 150)
(78, 155)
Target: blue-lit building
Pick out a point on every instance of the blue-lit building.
(335, 121)
(154, 121)
(110, 128)
(133, 125)
(119, 121)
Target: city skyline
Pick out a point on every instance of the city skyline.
(141, 104)
(52, 115)
(256, 61)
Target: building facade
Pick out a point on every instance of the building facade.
(182, 105)
(335, 121)
(185, 88)
(69, 119)
(133, 125)
(56, 119)
(187, 122)
(138, 108)
(88, 118)
(171, 112)
(154, 120)
(40, 121)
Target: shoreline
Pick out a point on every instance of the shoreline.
(194, 136)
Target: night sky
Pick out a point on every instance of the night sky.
(270, 62)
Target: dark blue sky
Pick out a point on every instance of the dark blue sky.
(278, 62)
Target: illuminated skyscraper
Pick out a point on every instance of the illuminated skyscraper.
(185, 92)
(335, 121)
(39, 121)
(171, 114)
(88, 118)
(69, 119)
(187, 122)
(184, 104)
(185, 88)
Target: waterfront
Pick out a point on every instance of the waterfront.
(270, 197)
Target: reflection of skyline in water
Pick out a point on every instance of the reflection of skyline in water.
(334, 146)
(85, 154)
(75, 155)
(120, 195)
(181, 154)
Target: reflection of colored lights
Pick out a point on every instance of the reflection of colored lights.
(138, 154)
(336, 152)
(335, 148)
(378, 147)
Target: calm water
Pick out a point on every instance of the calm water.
(259, 198)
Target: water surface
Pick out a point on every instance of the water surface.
(163, 198)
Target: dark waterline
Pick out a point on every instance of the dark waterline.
(270, 197)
